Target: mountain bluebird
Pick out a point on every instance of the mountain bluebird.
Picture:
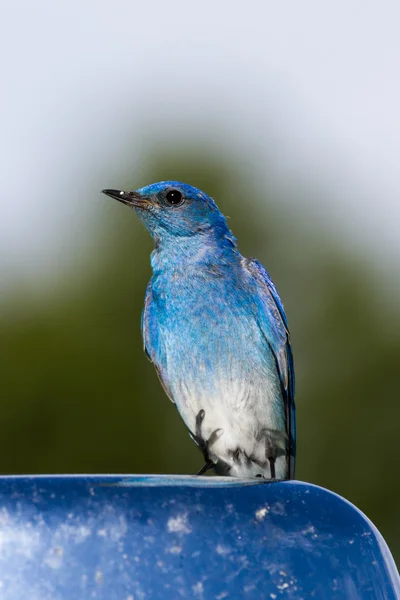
(215, 329)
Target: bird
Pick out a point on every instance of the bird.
(215, 329)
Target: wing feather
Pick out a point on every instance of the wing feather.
(152, 341)
(274, 325)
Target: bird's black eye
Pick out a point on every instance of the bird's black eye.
(174, 197)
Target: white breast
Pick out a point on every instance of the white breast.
(243, 411)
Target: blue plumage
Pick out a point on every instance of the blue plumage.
(215, 328)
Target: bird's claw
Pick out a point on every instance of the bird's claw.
(203, 444)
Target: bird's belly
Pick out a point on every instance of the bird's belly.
(224, 367)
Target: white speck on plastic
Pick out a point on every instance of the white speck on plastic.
(222, 550)
(261, 513)
(283, 586)
(98, 577)
(54, 558)
(174, 549)
(309, 530)
(198, 588)
(179, 524)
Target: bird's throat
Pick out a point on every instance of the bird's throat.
(194, 251)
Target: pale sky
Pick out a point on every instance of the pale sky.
(81, 79)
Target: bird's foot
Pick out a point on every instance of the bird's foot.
(205, 445)
(272, 450)
(268, 479)
(206, 467)
(271, 460)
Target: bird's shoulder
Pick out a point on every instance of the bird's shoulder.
(268, 293)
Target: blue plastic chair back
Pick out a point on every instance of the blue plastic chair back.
(171, 537)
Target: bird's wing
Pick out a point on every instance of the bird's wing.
(274, 326)
(152, 341)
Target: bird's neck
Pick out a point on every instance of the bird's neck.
(184, 252)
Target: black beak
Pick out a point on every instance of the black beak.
(129, 198)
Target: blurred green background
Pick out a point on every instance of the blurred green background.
(295, 135)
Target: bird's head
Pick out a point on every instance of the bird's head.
(172, 208)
